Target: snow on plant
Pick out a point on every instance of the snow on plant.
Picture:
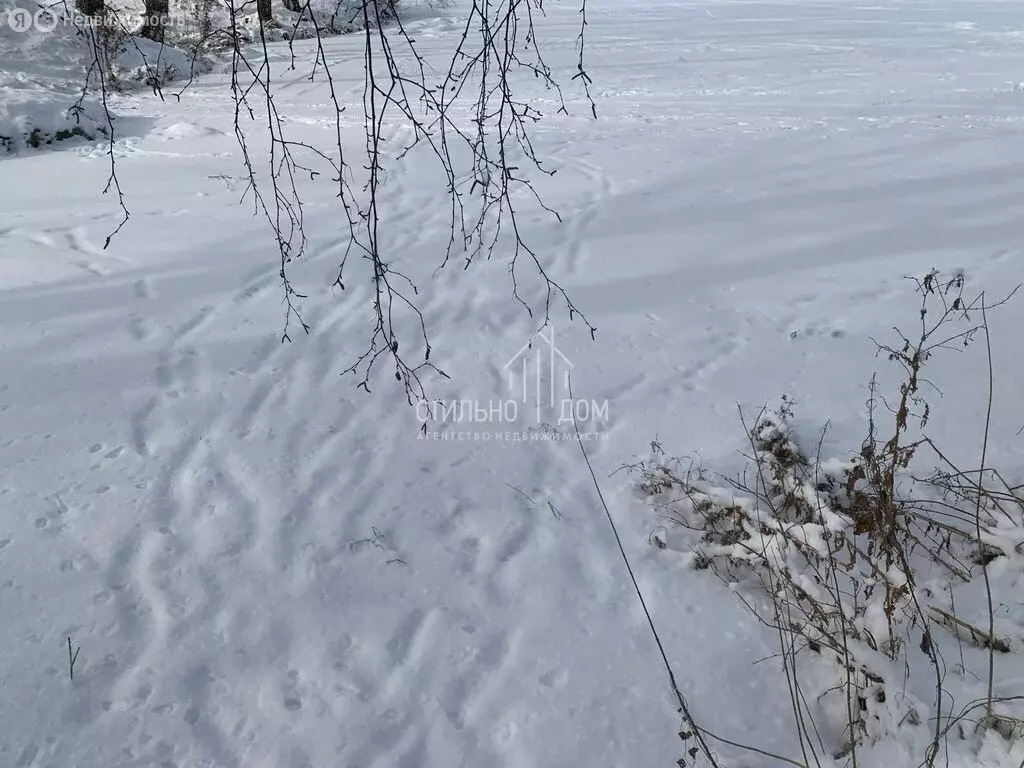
(838, 557)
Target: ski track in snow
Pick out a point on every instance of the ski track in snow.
(264, 566)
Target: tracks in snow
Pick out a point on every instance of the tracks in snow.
(279, 491)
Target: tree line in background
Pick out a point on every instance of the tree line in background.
(200, 13)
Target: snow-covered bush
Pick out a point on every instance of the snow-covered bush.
(854, 563)
(41, 85)
(143, 63)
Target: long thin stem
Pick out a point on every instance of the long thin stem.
(977, 511)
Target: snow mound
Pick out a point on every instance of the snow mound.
(142, 62)
(184, 130)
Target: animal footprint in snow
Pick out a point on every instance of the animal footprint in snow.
(108, 453)
(817, 331)
(292, 695)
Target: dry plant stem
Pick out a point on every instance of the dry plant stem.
(977, 511)
(850, 718)
(72, 658)
(959, 643)
(684, 709)
(788, 657)
(755, 750)
(981, 638)
(847, 664)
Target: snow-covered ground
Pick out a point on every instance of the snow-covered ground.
(264, 566)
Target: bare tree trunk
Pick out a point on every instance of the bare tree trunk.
(157, 12)
(264, 11)
(204, 24)
(90, 7)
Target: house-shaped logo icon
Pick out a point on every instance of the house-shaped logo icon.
(540, 369)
